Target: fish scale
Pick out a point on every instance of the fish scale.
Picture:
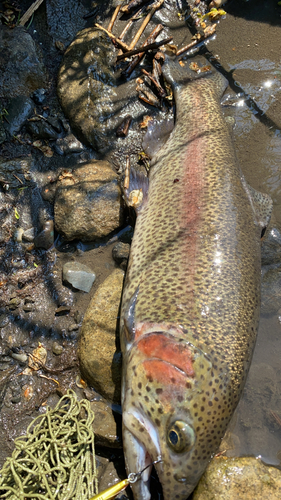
(192, 292)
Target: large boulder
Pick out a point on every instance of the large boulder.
(21, 67)
(239, 478)
(98, 349)
(88, 202)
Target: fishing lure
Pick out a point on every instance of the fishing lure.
(112, 491)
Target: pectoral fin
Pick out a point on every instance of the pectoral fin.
(261, 203)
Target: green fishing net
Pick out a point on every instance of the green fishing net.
(55, 460)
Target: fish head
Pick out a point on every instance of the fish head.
(174, 410)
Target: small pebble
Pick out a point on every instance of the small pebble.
(73, 327)
(29, 234)
(45, 239)
(14, 303)
(69, 144)
(78, 275)
(18, 234)
(57, 349)
(20, 356)
(39, 96)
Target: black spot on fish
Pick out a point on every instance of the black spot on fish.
(139, 385)
(158, 423)
(159, 390)
(148, 388)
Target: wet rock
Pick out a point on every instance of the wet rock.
(107, 432)
(88, 202)
(57, 348)
(126, 235)
(64, 19)
(21, 69)
(120, 254)
(39, 96)
(271, 290)
(49, 192)
(29, 234)
(86, 87)
(100, 359)
(20, 356)
(13, 170)
(3, 136)
(18, 234)
(42, 130)
(73, 327)
(45, 239)
(245, 478)
(19, 109)
(14, 303)
(109, 478)
(271, 247)
(69, 144)
(78, 275)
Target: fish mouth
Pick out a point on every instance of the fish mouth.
(139, 435)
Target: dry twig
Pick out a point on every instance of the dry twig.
(127, 9)
(150, 39)
(156, 84)
(151, 46)
(145, 23)
(29, 12)
(119, 42)
(114, 17)
(197, 42)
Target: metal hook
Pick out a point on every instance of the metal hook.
(112, 491)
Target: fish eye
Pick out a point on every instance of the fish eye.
(180, 436)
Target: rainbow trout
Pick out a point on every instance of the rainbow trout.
(191, 299)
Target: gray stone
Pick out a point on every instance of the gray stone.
(42, 130)
(69, 144)
(29, 234)
(100, 360)
(19, 109)
(57, 348)
(64, 19)
(78, 275)
(21, 67)
(234, 478)
(271, 290)
(88, 202)
(110, 477)
(120, 253)
(45, 239)
(107, 432)
(271, 247)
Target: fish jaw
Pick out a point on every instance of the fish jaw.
(136, 455)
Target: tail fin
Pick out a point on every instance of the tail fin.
(179, 76)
